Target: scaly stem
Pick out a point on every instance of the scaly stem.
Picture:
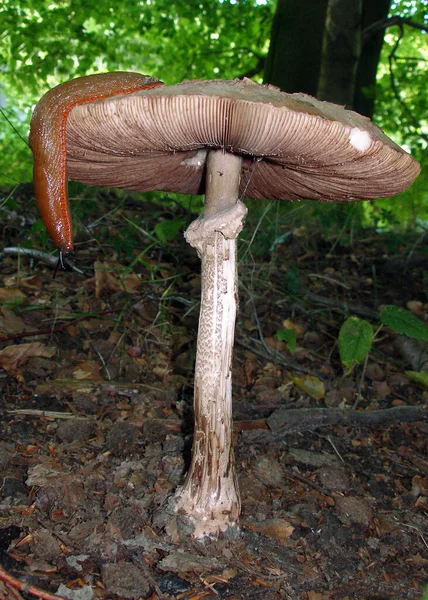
(210, 496)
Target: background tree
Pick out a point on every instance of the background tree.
(285, 42)
(371, 46)
(341, 51)
(293, 61)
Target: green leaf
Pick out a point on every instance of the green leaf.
(292, 282)
(418, 376)
(168, 230)
(402, 321)
(355, 342)
(289, 337)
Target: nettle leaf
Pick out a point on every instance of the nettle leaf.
(289, 337)
(402, 321)
(355, 342)
(168, 230)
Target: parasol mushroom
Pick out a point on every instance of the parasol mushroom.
(228, 139)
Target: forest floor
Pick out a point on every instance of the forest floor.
(96, 386)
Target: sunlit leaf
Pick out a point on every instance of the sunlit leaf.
(168, 230)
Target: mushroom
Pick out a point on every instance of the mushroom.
(228, 139)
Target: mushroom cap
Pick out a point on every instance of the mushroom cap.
(293, 146)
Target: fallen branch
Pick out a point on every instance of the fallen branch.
(283, 421)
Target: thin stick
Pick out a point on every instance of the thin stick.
(24, 334)
(26, 588)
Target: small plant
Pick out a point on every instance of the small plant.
(356, 337)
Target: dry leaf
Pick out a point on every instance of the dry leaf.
(9, 322)
(109, 278)
(313, 386)
(289, 324)
(319, 596)
(276, 529)
(275, 344)
(13, 357)
(88, 370)
(12, 296)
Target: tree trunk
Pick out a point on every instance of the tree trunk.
(341, 51)
(365, 84)
(293, 61)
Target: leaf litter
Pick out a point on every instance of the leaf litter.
(97, 424)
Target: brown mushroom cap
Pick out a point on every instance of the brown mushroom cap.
(293, 146)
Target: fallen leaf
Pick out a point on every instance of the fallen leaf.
(11, 296)
(9, 322)
(289, 324)
(311, 385)
(13, 357)
(276, 529)
(416, 307)
(182, 562)
(88, 370)
(276, 344)
(108, 278)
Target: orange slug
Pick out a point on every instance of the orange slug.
(48, 144)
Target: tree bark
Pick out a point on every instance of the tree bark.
(365, 82)
(293, 61)
(340, 52)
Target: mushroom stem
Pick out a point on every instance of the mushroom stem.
(210, 496)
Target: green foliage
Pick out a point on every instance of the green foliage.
(45, 42)
(292, 282)
(355, 342)
(168, 230)
(418, 377)
(289, 337)
(404, 322)
(356, 336)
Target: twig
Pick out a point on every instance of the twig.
(44, 257)
(24, 334)
(333, 445)
(49, 414)
(268, 354)
(330, 279)
(140, 562)
(307, 482)
(345, 307)
(360, 385)
(389, 22)
(26, 588)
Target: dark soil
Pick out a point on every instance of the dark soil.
(97, 420)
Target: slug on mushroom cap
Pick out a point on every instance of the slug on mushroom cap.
(47, 140)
